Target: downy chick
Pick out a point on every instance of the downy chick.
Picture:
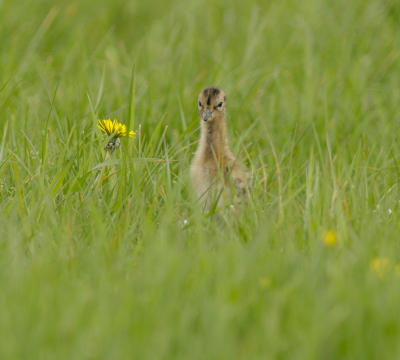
(214, 166)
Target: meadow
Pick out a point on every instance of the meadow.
(308, 268)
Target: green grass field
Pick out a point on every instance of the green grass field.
(308, 268)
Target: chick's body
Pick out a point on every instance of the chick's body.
(214, 167)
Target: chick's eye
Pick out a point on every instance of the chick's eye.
(200, 104)
(219, 105)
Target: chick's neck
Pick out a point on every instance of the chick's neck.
(213, 138)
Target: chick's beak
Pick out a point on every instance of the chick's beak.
(207, 114)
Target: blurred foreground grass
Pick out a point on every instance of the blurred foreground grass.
(308, 269)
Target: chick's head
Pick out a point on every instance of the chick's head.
(211, 104)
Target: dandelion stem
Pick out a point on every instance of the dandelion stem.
(103, 169)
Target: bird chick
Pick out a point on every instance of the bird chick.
(214, 167)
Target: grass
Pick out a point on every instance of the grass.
(136, 270)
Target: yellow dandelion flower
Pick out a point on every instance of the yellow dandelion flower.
(380, 265)
(110, 127)
(330, 238)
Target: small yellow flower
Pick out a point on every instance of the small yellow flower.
(330, 238)
(380, 265)
(109, 127)
(264, 282)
